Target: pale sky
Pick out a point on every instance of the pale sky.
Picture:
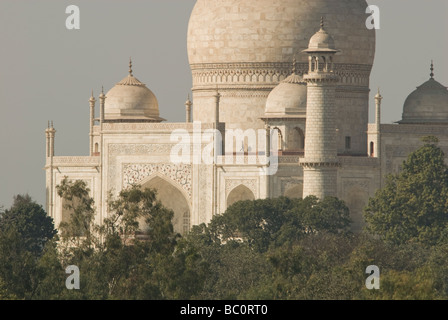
(47, 72)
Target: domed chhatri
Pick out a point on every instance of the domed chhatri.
(427, 104)
(131, 100)
(321, 41)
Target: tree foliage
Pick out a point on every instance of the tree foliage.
(25, 230)
(262, 249)
(413, 206)
(274, 222)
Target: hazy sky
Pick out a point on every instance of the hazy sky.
(47, 72)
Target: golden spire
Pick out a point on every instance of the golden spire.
(130, 66)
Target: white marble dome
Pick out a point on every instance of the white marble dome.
(427, 104)
(239, 31)
(287, 99)
(321, 41)
(131, 100)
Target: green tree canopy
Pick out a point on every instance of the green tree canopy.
(25, 230)
(77, 201)
(31, 222)
(413, 206)
(266, 222)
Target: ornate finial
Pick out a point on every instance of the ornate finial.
(432, 70)
(378, 95)
(48, 124)
(130, 66)
(92, 99)
(102, 96)
(322, 22)
(188, 102)
(294, 66)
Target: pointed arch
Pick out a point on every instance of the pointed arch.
(173, 197)
(296, 140)
(239, 193)
(280, 139)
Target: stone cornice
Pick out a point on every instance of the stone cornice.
(74, 161)
(207, 76)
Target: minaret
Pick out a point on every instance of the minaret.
(102, 103)
(92, 121)
(320, 163)
(377, 146)
(50, 133)
(188, 105)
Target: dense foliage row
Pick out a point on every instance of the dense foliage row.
(263, 249)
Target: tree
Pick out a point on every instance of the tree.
(81, 207)
(25, 231)
(136, 254)
(31, 221)
(273, 222)
(413, 206)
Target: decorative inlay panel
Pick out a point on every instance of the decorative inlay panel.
(180, 173)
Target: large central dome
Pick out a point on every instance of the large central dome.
(224, 31)
(245, 48)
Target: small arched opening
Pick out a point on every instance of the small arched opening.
(240, 193)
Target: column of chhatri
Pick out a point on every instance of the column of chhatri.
(320, 163)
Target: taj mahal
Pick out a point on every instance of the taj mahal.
(297, 71)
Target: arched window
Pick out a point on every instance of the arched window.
(96, 147)
(296, 140)
(279, 138)
(372, 149)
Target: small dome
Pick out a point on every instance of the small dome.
(427, 104)
(288, 98)
(321, 41)
(131, 100)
